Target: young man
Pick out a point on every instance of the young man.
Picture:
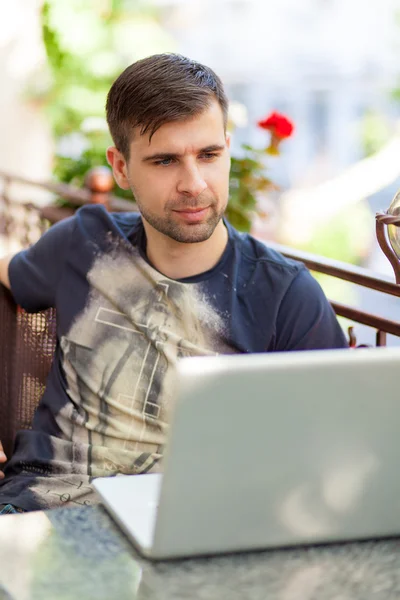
(134, 293)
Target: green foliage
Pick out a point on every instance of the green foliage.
(74, 33)
(88, 43)
(247, 179)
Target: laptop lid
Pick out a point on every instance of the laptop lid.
(281, 449)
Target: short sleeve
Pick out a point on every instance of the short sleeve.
(34, 273)
(306, 320)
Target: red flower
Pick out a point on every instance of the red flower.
(278, 125)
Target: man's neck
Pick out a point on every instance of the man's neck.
(178, 261)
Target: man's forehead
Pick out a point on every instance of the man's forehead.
(193, 133)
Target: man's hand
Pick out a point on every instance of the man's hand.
(3, 459)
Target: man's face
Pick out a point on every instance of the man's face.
(180, 179)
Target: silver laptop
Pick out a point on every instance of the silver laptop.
(271, 450)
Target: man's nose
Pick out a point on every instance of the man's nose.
(191, 182)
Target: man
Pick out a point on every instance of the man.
(134, 293)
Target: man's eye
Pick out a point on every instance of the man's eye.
(209, 155)
(164, 162)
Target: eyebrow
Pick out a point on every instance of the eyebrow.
(164, 155)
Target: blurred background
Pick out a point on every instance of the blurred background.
(330, 66)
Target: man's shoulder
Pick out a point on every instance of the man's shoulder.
(97, 213)
(126, 221)
(255, 251)
(94, 220)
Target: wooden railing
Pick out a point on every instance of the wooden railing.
(25, 221)
(98, 187)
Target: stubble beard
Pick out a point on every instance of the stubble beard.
(184, 233)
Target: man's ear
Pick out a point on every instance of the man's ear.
(118, 164)
(228, 139)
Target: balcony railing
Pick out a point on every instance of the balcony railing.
(26, 229)
(24, 222)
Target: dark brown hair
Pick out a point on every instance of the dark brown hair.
(157, 90)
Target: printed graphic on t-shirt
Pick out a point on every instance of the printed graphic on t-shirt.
(120, 357)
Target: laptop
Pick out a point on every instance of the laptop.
(270, 450)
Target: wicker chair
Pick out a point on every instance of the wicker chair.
(27, 346)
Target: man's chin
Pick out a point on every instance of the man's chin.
(194, 233)
(182, 231)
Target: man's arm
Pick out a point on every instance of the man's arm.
(306, 320)
(33, 274)
(4, 262)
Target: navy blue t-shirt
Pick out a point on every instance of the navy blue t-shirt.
(121, 328)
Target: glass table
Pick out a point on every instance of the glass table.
(80, 553)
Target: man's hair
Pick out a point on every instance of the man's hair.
(157, 90)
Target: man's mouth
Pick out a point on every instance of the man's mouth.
(192, 210)
(193, 215)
